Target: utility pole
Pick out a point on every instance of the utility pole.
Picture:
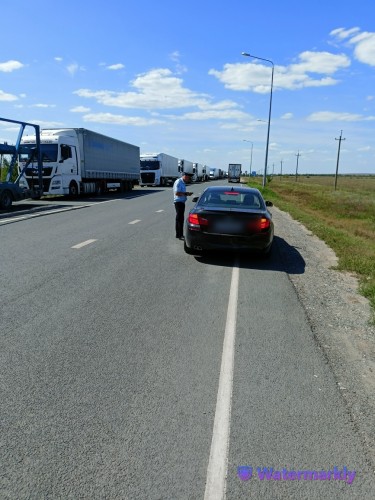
(281, 171)
(298, 155)
(338, 156)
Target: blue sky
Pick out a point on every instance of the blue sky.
(169, 77)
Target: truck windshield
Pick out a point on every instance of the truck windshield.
(150, 165)
(49, 152)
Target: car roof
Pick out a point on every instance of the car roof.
(239, 189)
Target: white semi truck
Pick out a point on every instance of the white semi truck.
(158, 169)
(185, 166)
(234, 172)
(214, 173)
(200, 172)
(77, 161)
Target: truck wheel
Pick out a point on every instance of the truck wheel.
(73, 190)
(6, 200)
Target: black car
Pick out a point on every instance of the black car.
(229, 218)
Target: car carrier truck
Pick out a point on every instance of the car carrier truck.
(77, 161)
(12, 190)
(158, 169)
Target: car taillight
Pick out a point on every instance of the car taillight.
(264, 223)
(261, 224)
(195, 221)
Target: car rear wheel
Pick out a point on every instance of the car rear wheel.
(6, 200)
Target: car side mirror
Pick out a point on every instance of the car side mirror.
(195, 199)
(269, 203)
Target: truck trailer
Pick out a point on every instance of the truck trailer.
(234, 172)
(77, 161)
(158, 169)
(185, 166)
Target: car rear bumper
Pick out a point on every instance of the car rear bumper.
(198, 240)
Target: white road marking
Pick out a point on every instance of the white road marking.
(84, 243)
(134, 221)
(218, 461)
(159, 211)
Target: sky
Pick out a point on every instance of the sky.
(170, 78)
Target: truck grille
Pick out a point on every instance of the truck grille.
(148, 177)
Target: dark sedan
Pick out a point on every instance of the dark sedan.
(229, 219)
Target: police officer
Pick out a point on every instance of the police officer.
(179, 197)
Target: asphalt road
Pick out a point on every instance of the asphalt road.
(114, 344)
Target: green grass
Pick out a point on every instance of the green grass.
(344, 218)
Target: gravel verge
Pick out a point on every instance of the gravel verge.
(340, 320)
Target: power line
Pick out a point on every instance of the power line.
(338, 156)
(298, 155)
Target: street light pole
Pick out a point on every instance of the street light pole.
(251, 154)
(269, 113)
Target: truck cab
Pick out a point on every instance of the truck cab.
(60, 159)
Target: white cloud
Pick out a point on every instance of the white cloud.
(73, 68)
(80, 109)
(120, 119)
(256, 77)
(364, 49)
(157, 89)
(330, 116)
(7, 97)
(175, 56)
(43, 105)
(342, 33)
(116, 66)
(9, 66)
(214, 114)
(363, 42)
(47, 124)
(58, 59)
(320, 62)
(287, 116)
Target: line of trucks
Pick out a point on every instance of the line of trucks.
(75, 161)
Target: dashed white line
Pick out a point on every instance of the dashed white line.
(134, 221)
(218, 461)
(83, 244)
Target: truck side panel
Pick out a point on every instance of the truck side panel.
(104, 156)
(169, 166)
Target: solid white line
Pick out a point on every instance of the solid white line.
(134, 221)
(217, 465)
(83, 244)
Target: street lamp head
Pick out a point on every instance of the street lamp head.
(245, 54)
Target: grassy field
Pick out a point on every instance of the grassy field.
(344, 218)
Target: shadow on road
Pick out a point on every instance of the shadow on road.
(284, 258)
(25, 207)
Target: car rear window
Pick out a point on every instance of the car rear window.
(232, 198)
